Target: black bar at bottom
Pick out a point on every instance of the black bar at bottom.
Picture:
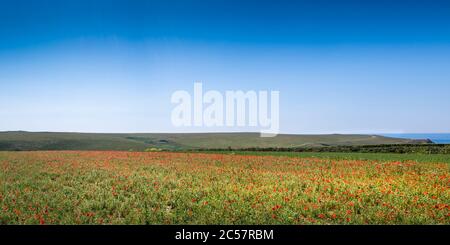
(217, 233)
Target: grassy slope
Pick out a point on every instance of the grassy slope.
(139, 142)
(242, 140)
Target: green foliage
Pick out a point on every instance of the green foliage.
(194, 188)
(28, 141)
(386, 148)
(402, 157)
(153, 149)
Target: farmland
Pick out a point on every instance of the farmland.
(31, 141)
(114, 187)
(389, 157)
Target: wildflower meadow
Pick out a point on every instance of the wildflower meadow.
(107, 187)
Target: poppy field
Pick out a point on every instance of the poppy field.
(108, 187)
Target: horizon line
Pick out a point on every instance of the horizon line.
(221, 132)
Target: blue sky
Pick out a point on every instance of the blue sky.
(111, 66)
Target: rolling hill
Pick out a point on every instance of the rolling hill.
(21, 140)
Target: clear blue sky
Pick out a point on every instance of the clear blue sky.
(111, 66)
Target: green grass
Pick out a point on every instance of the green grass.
(436, 158)
(26, 141)
(84, 187)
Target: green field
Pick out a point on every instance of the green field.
(26, 141)
(111, 187)
(436, 158)
(73, 178)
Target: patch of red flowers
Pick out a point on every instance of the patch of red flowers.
(276, 207)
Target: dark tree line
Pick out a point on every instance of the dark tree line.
(395, 148)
